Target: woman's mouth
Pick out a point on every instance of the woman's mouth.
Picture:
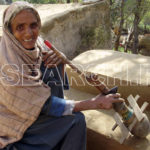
(28, 40)
(28, 43)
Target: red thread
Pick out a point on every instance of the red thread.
(48, 43)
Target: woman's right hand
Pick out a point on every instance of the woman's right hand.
(51, 59)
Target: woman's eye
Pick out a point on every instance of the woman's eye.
(20, 27)
(34, 25)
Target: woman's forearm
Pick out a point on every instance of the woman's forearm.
(98, 102)
(83, 105)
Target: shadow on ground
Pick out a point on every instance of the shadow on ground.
(97, 141)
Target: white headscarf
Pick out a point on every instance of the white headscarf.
(22, 93)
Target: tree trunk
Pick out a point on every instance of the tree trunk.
(145, 28)
(120, 26)
(136, 34)
(130, 35)
(110, 2)
(136, 30)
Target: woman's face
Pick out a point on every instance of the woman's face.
(25, 28)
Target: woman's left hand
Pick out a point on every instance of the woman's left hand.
(51, 59)
(106, 101)
(98, 102)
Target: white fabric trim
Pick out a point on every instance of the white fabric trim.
(69, 107)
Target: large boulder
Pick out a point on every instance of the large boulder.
(80, 28)
(2, 2)
(129, 72)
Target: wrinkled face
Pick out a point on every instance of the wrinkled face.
(25, 28)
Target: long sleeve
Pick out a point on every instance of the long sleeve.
(58, 107)
(69, 107)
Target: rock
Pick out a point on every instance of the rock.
(2, 2)
(114, 68)
(129, 72)
(142, 128)
(79, 28)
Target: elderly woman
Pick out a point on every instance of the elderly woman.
(33, 112)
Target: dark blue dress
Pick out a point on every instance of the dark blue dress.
(51, 130)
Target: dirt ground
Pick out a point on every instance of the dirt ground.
(99, 124)
(97, 141)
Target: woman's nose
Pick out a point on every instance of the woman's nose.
(28, 32)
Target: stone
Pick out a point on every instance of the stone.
(129, 72)
(79, 28)
(2, 2)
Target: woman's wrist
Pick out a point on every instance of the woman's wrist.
(70, 104)
(85, 105)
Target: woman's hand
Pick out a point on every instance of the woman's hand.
(106, 101)
(51, 59)
(98, 102)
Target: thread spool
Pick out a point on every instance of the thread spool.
(141, 129)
